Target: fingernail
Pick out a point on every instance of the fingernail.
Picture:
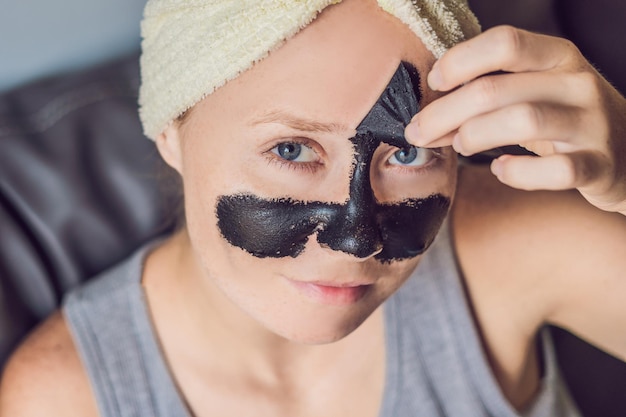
(456, 144)
(496, 167)
(435, 79)
(413, 134)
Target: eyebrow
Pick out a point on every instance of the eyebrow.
(298, 123)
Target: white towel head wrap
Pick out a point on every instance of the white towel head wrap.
(192, 47)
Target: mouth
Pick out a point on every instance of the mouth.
(338, 294)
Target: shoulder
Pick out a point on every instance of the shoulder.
(45, 376)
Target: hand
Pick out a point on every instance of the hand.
(550, 100)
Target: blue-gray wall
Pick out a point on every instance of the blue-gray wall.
(43, 37)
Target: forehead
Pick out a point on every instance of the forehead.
(332, 71)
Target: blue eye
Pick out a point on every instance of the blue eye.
(295, 152)
(289, 151)
(411, 156)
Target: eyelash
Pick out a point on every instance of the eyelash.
(307, 167)
(312, 167)
(438, 156)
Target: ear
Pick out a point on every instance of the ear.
(169, 146)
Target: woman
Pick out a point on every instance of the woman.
(306, 210)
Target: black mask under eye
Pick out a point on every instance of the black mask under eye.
(361, 227)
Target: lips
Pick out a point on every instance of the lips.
(332, 293)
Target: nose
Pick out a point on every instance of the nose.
(355, 229)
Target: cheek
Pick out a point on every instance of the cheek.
(211, 167)
(203, 180)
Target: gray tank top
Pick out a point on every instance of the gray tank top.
(435, 363)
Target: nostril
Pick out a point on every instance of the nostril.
(359, 249)
(361, 240)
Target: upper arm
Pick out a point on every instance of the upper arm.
(45, 376)
(550, 255)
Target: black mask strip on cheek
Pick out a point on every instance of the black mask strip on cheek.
(411, 226)
(360, 227)
(271, 228)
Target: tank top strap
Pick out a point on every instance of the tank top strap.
(111, 326)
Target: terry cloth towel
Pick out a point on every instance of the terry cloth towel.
(192, 47)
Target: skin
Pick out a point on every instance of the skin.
(399, 230)
(527, 257)
(551, 101)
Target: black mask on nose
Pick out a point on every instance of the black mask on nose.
(361, 227)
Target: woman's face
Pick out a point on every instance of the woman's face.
(304, 206)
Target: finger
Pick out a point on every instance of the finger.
(554, 172)
(539, 147)
(442, 142)
(503, 48)
(519, 124)
(486, 94)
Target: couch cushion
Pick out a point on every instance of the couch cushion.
(79, 188)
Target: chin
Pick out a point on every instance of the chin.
(318, 338)
(319, 330)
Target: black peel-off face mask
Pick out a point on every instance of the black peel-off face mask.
(362, 226)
